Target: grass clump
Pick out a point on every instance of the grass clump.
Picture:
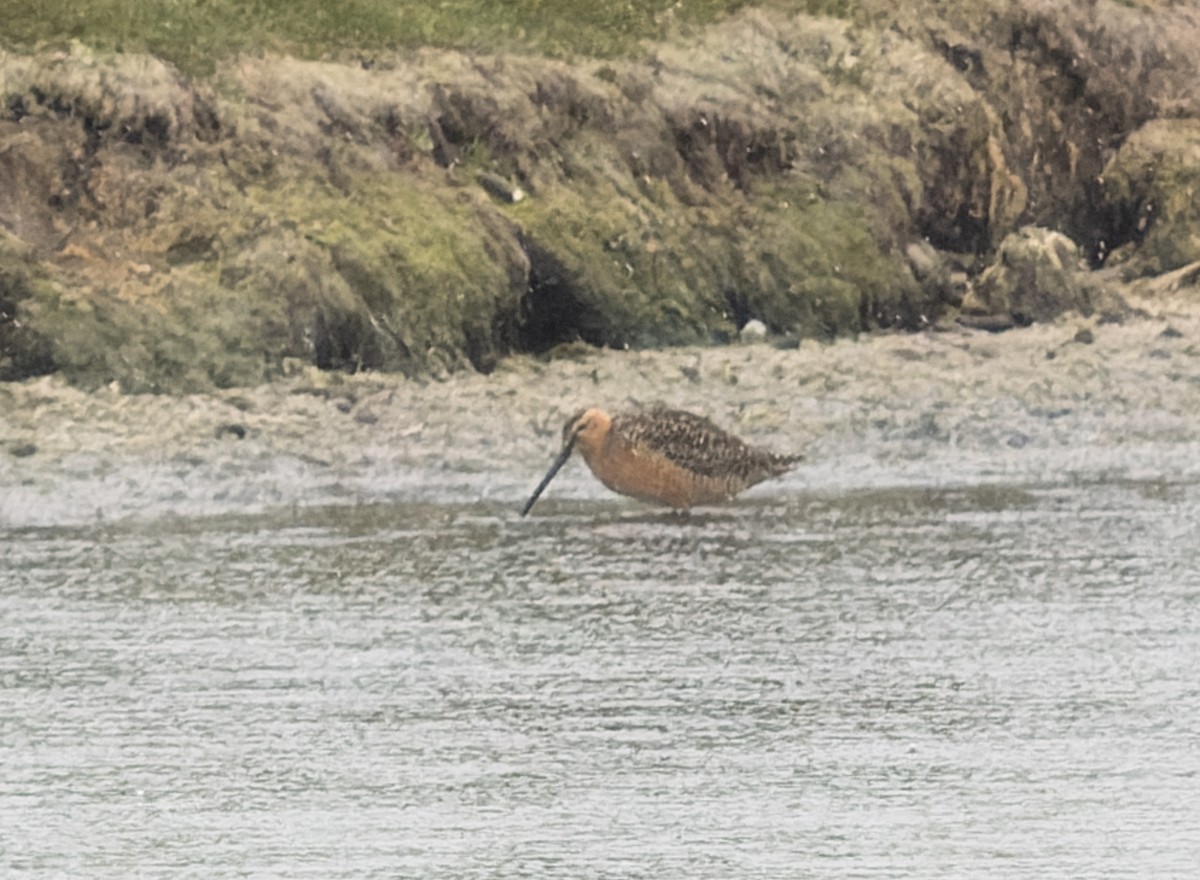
(196, 34)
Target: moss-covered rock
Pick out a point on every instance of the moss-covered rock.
(1153, 184)
(1038, 275)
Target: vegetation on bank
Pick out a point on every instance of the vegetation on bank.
(331, 198)
(195, 34)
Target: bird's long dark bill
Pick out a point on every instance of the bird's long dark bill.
(554, 469)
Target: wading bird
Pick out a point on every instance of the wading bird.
(664, 456)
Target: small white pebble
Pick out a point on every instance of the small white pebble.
(754, 331)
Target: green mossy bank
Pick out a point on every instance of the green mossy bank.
(439, 209)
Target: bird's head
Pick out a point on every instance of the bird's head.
(587, 430)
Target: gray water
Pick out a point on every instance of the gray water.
(978, 681)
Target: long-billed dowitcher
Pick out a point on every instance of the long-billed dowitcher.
(664, 456)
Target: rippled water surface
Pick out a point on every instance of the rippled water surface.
(997, 681)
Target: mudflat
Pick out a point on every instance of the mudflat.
(967, 406)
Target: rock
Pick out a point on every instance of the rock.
(1038, 274)
(753, 331)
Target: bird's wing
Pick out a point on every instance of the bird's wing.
(690, 441)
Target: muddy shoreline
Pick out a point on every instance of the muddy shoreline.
(950, 407)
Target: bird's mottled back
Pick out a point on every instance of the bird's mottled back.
(696, 444)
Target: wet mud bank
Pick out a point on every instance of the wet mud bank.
(436, 211)
(1053, 404)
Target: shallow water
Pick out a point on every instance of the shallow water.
(994, 680)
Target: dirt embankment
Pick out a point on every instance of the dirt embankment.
(440, 210)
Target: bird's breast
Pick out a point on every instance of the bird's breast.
(649, 476)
